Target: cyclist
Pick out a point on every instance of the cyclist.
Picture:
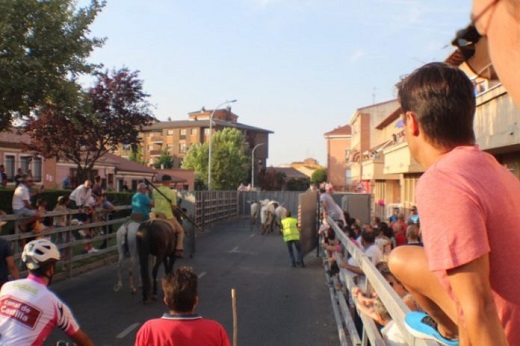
(29, 311)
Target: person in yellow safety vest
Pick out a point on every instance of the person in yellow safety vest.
(291, 236)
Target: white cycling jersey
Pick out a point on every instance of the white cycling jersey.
(29, 312)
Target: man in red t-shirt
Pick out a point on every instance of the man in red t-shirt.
(181, 325)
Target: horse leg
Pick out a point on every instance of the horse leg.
(119, 283)
(143, 263)
(155, 270)
(131, 274)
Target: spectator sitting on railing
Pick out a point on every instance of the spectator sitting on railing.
(371, 250)
(412, 235)
(61, 220)
(330, 208)
(373, 307)
(399, 233)
(382, 241)
(21, 203)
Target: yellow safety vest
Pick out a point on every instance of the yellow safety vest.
(290, 229)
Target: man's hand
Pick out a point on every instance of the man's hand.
(471, 286)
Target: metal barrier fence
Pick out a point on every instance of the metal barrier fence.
(342, 300)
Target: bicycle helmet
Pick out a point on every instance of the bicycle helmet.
(38, 252)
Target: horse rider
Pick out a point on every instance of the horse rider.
(165, 202)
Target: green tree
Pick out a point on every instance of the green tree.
(44, 46)
(164, 161)
(230, 164)
(319, 176)
(197, 159)
(136, 154)
(108, 114)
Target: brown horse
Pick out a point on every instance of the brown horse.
(155, 238)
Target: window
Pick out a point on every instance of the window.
(193, 131)
(183, 147)
(9, 166)
(183, 134)
(24, 163)
(37, 169)
(206, 131)
(169, 132)
(150, 147)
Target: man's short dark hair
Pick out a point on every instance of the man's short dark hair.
(180, 290)
(369, 236)
(443, 99)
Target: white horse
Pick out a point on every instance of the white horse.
(127, 234)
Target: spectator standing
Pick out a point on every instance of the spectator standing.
(97, 189)
(165, 200)
(394, 217)
(7, 264)
(3, 176)
(414, 217)
(18, 177)
(291, 237)
(29, 311)
(399, 234)
(466, 278)
(181, 325)
(66, 183)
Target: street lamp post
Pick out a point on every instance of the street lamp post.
(253, 165)
(210, 138)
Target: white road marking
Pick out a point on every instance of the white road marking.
(202, 274)
(127, 331)
(252, 235)
(235, 249)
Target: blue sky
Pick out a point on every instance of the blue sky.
(297, 67)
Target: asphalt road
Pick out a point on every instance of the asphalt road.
(277, 304)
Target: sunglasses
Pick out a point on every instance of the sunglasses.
(474, 47)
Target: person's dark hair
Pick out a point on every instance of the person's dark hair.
(443, 99)
(288, 213)
(387, 231)
(180, 290)
(369, 236)
(41, 271)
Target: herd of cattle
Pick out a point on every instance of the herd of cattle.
(271, 214)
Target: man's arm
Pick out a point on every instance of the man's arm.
(81, 339)
(470, 283)
(13, 268)
(352, 268)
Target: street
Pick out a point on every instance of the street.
(277, 304)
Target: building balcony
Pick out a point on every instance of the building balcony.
(155, 153)
(373, 169)
(398, 160)
(155, 139)
(355, 171)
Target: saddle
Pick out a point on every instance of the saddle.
(162, 218)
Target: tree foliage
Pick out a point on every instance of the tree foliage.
(271, 180)
(85, 129)
(44, 46)
(229, 162)
(319, 176)
(164, 161)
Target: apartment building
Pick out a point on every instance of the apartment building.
(176, 137)
(338, 152)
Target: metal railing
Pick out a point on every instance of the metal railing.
(375, 282)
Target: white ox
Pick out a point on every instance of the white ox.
(267, 215)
